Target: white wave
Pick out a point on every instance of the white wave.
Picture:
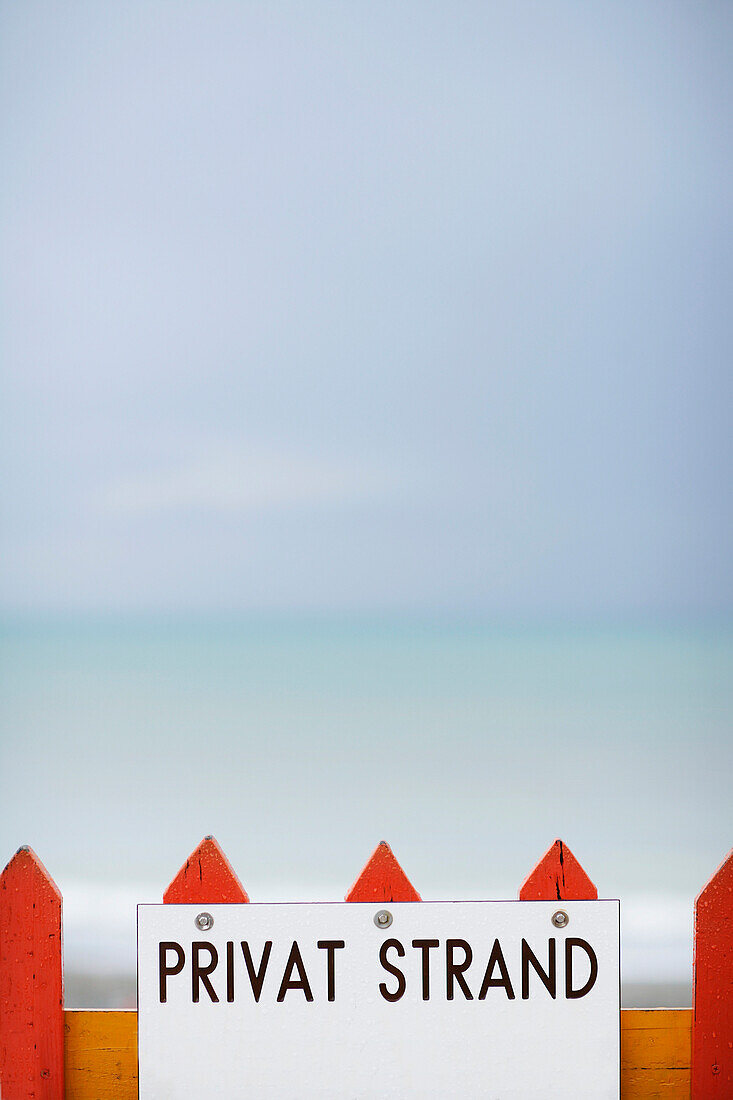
(656, 938)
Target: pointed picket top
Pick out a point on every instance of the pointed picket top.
(31, 981)
(382, 879)
(206, 878)
(25, 866)
(558, 877)
(712, 1027)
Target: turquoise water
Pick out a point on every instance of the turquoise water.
(301, 745)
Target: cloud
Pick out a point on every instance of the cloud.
(236, 482)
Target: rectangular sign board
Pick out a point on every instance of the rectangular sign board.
(503, 1000)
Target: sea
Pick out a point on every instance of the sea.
(301, 743)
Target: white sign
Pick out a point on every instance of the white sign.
(411, 1000)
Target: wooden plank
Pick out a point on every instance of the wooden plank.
(31, 982)
(655, 1054)
(382, 879)
(712, 1030)
(206, 878)
(101, 1055)
(558, 877)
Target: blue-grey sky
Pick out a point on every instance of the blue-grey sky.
(366, 306)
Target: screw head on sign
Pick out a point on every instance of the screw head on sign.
(204, 921)
(560, 919)
(383, 918)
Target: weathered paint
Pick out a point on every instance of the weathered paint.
(382, 879)
(655, 1054)
(558, 877)
(206, 877)
(101, 1055)
(712, 1030)
(31, 982)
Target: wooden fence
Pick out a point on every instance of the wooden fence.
(47, 1053)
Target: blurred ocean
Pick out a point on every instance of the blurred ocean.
(301, 744)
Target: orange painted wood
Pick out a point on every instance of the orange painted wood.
(382, 879)
(558, 877)
(101, 1055)
(31, 982)
(655, 1053)
(712, 1026)
(206, 878)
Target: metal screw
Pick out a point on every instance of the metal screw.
(383, 919)
(560, 919)
(204, 921)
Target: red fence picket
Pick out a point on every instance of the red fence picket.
(382, 879)
(31, 982)
(206, 878)
(558, 877)
(712, 1025)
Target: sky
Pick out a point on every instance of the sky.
(349, 306)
